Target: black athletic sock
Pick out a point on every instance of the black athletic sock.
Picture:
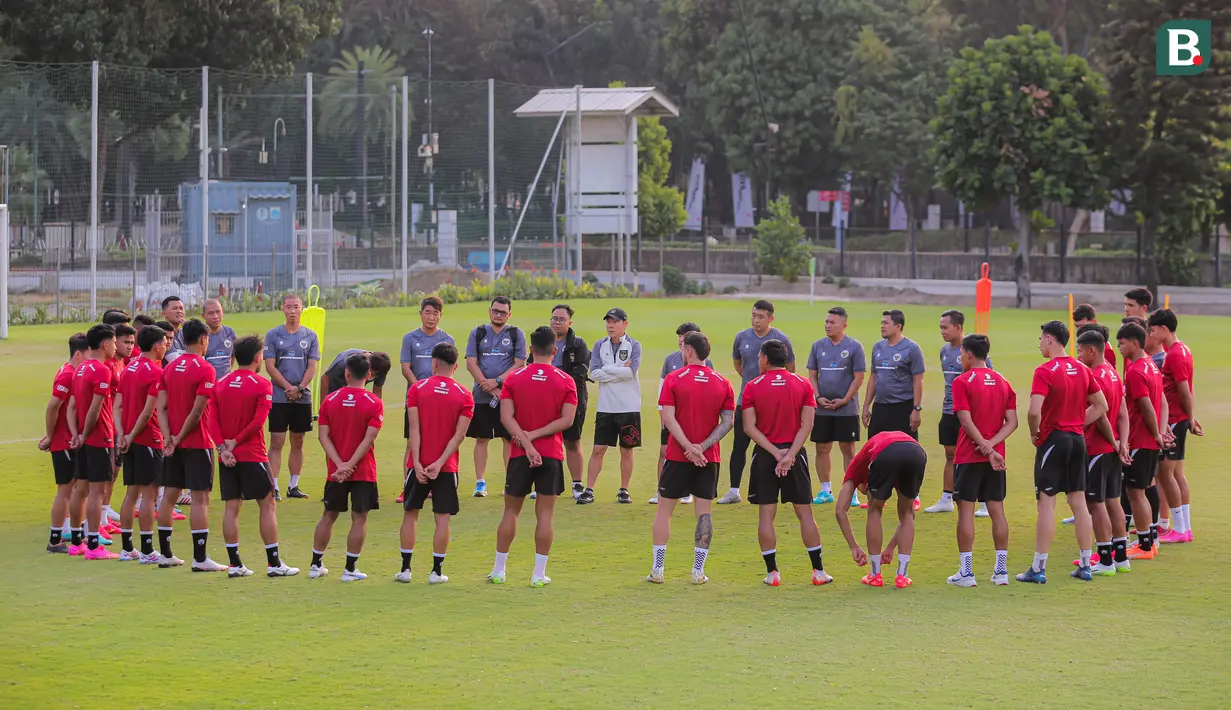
(56, 536)
(771, 560)
(815, 555)
(92, 541)
(1152, 498)
(406, 555)
(1144, 541)
(271, 555)
(1154, 533)
(74, 536)
(233, 555)
(126, 540)
(164, 541)
(147, 543)
(437, 562)
(1120, 545)
(318, 559)
(1104, 554)
(350, 562)
(199, 539)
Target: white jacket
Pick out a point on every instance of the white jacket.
(615, 369)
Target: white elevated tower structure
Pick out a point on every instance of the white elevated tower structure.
(600, 161)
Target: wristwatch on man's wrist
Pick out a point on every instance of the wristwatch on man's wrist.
(918, 408)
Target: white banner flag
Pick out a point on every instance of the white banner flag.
(741, 193)
(694, 202)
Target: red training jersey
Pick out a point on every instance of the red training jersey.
(441, 402)
(778, 396)
(348, 413)
(141, 380)
(862, 463)
(539, 392)
(1064, 384)
(1177, 368)
(988, 396)
(1113, 389)
(239, 408)
(189, 377)
(95, 377)
(1109, 354)
(62, 389)
(1143, 380)
(699, 396)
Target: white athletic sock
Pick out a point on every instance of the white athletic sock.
(294, 480)
(1085, 558)
(502, 558)
(68, 524)
(1164, 524)
(875, 561)
(946, 497)
(106, 511)
(660, 557)
(966, 564)
(540, 566)
(275, 484)
(1188, 518)
(826, 487)
(735, 491)
(1002, 562)
(698, 559)
(903, 562)
(1040, 561)
(1177, 519)
(855, 497)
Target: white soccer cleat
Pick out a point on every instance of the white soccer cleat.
(729, 498)
(240, 571)
(434, 578)
(317, 571)
(353, 576)
(1122, 567)
(941, 506)
(150, 559)
(1001, 580)
(172, 561)
(208, 566)
(820, 578)
(699, 578)
(655, 576)
(686, 500)
(981, 512)
(496, 578)
(540, 582)
(964, 580)
(654, 500)
(1067, 521)
(281, 570)
(129, 556)
(113, 516)
(184, 499)
(403, 577)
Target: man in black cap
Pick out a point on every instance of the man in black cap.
(614, 364)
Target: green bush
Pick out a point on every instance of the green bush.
(673, 281)
(730, 290)
(781, 243)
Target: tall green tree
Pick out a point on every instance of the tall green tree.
(1020, 119)
(1171, 132)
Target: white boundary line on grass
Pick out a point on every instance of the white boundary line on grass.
(17, 441)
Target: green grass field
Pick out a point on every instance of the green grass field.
(82, 634)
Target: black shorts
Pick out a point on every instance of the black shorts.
(363, 496)
(1176, 453)
(189, 469)
(1060, 464)
(978, 483)
(681, 478)
(623, 428)
(406, 423)
(948, 429)
(891, 417)
(142, 465)
(94, 464)
(64, 466)
(546, 480)
(248, 480)
(1139, 475)
(1103, 475)
(443, 489)
(765, 487)
(573, 433)
(900, 466)
(290, 415)
(486, 423)
(826, 429)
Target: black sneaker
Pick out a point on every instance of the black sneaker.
(623, 496)
(58, 548)
(296, 493)
(277, 496)
(578, 489)
(586, 497)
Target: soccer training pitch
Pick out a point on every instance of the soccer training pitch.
(119, 634)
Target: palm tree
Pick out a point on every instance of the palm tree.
(355, 103)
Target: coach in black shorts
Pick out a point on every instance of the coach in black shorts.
(573, 357)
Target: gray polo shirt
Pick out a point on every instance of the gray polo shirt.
(895, 367)
(835, 367)
(417, 350)
(291, 353)
(675, 361)
(951, 366)
(495, 353)
(221, 348)
(746, 349)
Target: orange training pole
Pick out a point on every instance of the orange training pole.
(983, 301)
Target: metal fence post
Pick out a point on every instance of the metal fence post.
(5, 238)
(92, 238)
(311, 196)
(1217, 259)
(1064, 248)
(205, 181)
(576, 167)
(491, 179)
(405, 181)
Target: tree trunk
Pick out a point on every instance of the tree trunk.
(1058, 23)
(1075, 229)
(1149, 257)
(1021, 264)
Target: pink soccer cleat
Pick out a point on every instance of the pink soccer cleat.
(76, 550)
(100, 553)
(1172, 537)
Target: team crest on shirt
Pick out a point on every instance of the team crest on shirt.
(897, 357)
(539, 376)
(505, 342)
(845, 354)
(303, 344)
(226, 343)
